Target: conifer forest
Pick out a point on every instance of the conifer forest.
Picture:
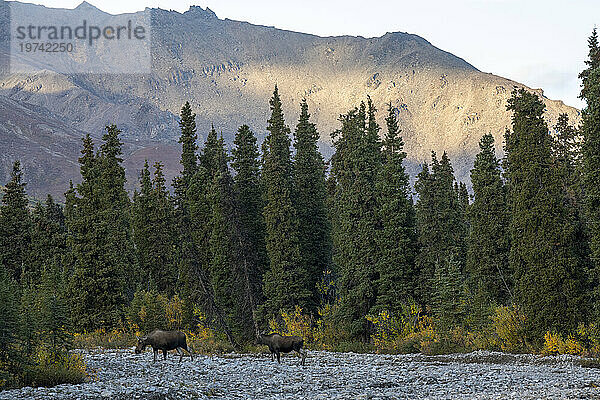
(347, 252)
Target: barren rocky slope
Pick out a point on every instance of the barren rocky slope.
(227, 70)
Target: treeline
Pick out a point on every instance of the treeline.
(248, 236)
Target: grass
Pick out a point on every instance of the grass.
(51, 369)
(115, 339)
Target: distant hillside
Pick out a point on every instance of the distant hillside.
(227, 70)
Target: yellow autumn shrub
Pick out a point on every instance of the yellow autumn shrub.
(554, 343)
(508, 326)
(52, 368)
(407, 332)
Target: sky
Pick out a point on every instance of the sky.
(541, 43)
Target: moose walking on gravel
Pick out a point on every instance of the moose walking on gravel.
(282, 344)
(165, 341)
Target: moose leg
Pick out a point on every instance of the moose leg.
(302, 354)
(187, 348)
(155, 354)
(279, 357)
(164, 354)
(180, 352)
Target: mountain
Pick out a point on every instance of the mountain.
(227, 70)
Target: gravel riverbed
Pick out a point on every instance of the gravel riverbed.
(120, 374)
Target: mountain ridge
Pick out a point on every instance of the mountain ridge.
(227, 70)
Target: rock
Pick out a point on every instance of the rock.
(482, 375)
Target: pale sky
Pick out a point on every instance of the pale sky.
(541, 43)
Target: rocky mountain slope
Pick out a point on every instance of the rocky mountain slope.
(227, 70)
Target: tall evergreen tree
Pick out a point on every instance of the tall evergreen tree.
(163, 220)
(251, 228)
(310, 197)
(447, 300)
(590, 130)
(9, 327)
(548, 269)
(220, 195)
(115, 211)
(285, 280)
(488, 277)
(143, 229)
(211, 152)
(440, 222)
(397, 239)
(182, 184)
(191, 213)
(100, 237)
(228, 266)
(153, 231)
(15, 225)
(48, 237)
(356, 165)
(189, 158)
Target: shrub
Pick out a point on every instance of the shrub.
(294, 323)
(508, 324)
(324, 333)
(175, 313)
(328, 333)
(51, 369)
(205, 340)
(407, 332)
(120, 338)
(455, 340)
(554, 343)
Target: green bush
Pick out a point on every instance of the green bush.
(51, 369)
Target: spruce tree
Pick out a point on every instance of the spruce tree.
(142, 229)
(488, 277)
(189, 159)
(48, 237)
(9, 327)
(190, 174)
(251, 229)
(590, 131)
(52, 317)
(209, 158)
(100, 237)
(15, 225)
(192, 211)
(548, 269)
(163, 221)
(310, 197)
(115, 212)
(355, 167)
(153, 232)
(448, 300)
(285, 281)
(223, 276)
(440, 223)
(397, 239)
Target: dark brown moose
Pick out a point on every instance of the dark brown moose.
(282, 344)
(165, 341)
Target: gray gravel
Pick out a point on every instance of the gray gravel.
(120, 374)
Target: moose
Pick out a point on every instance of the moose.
(282, 344)
(165, 341)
